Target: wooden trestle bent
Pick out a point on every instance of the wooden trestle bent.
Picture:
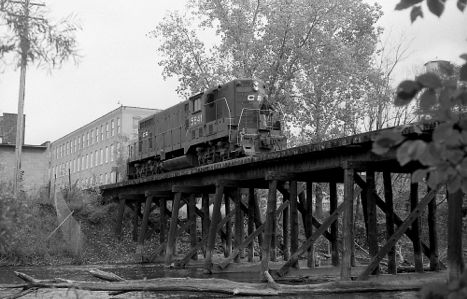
(343, 164)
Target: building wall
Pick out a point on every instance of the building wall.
(8, 128)
(34, 164)
(89, 160)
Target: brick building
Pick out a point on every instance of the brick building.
(34, 158)
(34, 165)
(8, 123)
(96, 153)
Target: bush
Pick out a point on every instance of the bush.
(25, 224)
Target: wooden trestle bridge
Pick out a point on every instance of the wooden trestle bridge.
(339, 161)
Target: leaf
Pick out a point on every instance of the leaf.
(410, 150)
(427, 99)
(463, 56)
(436, 7)
(462, 168)
(419, 175)
(406, 91)
(431, 156)
(430, 80)
(454, 184)
(464, 185)
(385, 141)
(433, 179)
(441, 132)
(445, 67)
(406, 4)
(461, 4)
(415, 13)
(454, 156)
(463, 73)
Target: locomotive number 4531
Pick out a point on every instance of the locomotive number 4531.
(196, 120)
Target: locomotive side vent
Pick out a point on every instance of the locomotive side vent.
(211, 129)
(200, 132)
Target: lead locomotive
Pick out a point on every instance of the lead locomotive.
(228, 121)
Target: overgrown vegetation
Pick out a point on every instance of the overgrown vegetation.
(29, 234)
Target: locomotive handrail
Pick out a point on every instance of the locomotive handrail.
(230, 113)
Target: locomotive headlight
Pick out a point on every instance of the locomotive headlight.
(255, 85)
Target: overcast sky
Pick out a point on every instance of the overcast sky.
(119, 62)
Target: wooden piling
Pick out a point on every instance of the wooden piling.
(163, 219)
(136, 215)
(172, 238)
(293, 219)
(238, 222)
(285, 226)
(205, 221)
(455, 251)
(192, 218)
(251, 222)
(228, 228)
(347, 224)
(268, 231)
(433, 234)
(372, 220)
(417, 250)
(216, 216)
(388, 196)
(309, 224)
(144, 223)
(334, 225)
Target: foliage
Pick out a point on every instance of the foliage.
(442, 98)
(44, 42)
(315, 55)
(24, 226)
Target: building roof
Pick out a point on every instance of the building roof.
(105, 115)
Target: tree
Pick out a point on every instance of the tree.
(314, 54)
(442, 96)
(31, 38)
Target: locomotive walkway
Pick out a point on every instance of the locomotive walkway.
(341, 163)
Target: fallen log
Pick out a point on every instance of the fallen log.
(223, 286)
(108, 276)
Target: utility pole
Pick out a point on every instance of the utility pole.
(24, 47)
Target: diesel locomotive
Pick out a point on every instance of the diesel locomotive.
(225, 122)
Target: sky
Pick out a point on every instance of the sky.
(119, 62)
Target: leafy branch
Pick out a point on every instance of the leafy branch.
(442, 99)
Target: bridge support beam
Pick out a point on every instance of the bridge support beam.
(269, 228)
(216, 216)
(334, 225)
(172, 238)
(347, 224)
(388, 196)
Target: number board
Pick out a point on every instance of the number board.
(196, 119)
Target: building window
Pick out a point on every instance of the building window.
(88, 142)
(92, 136)
(119, 125)
(83, 163)
(106, 154)
(97, 157)
(102, 132)
(100, 179)
(102, 156)
(82, 142)
(106, 178)
(107, 130)
(111, 152)
(79, 143)
(112, 128)
(92, 157)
